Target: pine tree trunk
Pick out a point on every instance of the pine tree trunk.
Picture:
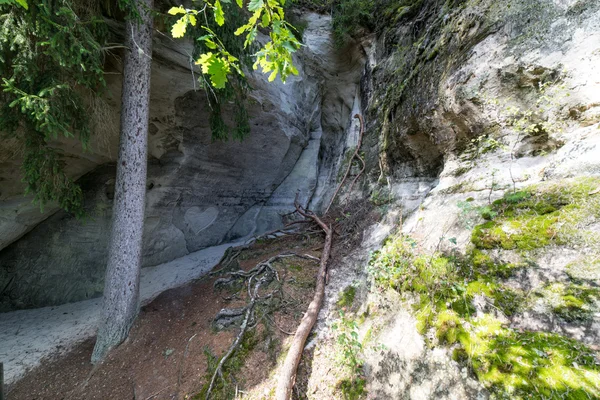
(121, 287)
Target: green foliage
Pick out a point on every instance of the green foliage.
(274, 58)
(353, 389)
(222, 50)
(22, 3)
(349, 16)
(388, 265)
(236, 91)
(538, 119)
(347, 340)
(480, 145)
(49, 55)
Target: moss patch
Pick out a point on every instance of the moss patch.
(347, 297)
(510, 363)
(572, 302)
(541, 215)
(530, 364)
(586, 268)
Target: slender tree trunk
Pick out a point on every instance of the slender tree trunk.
(121, 287)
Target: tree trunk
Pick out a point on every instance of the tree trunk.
(121, 287)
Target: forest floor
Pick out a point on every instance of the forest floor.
(172, 348)
(28, 336)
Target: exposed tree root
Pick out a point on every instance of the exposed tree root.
(261, 268)
(355, 155)
(236, 343)
(287, 375)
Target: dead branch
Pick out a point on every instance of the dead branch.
(157, 393)
(230, 255)
(287, 375)
(355, 155)
(359, 173)
(286, 230)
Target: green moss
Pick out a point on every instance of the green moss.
(481, 260)
(462, 170)
(508, 300)
(347, 297)
(461, 187)
(539, 216)
(526, 233)
(295, 268)
(425, 316)
(442, 288)
(485, 267)
(448, 327)
(353, 389)
(572, 302)
(585, 269)
(525, 364)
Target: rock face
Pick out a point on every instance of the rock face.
(466, 104)
(439, 76)
(200, 192)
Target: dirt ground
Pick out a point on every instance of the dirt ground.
(167, 353)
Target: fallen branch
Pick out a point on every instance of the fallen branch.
(287, 376)
(157, 393)
(360, 138)
(282, 231)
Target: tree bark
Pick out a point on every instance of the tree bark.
(121, 286)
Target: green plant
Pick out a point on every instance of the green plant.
(274, 58)
(49, 56)
(353, 389)
(347, 340)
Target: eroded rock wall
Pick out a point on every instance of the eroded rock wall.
(466, 103)
(200, 192)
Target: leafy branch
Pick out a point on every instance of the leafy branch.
(274, 58)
